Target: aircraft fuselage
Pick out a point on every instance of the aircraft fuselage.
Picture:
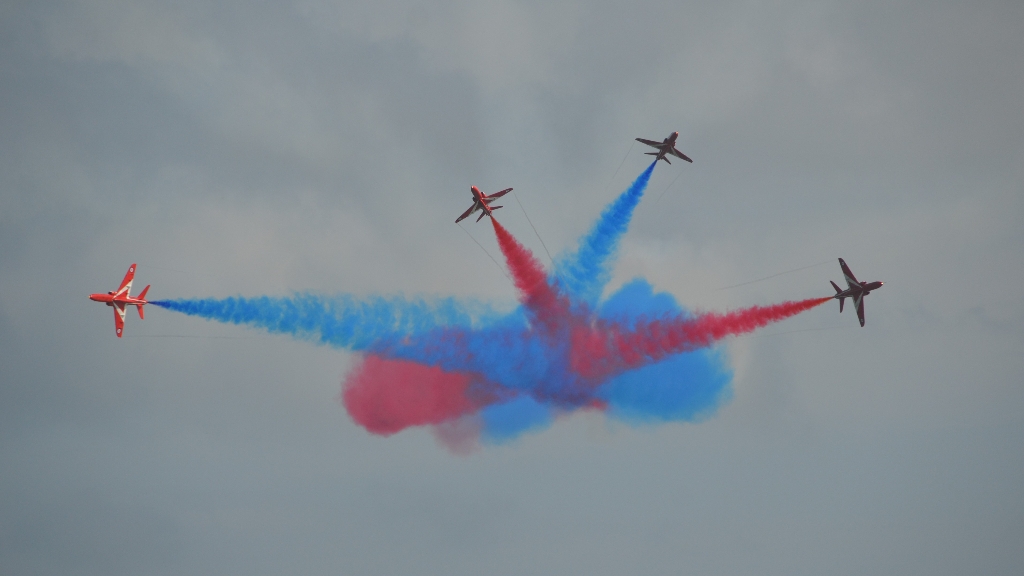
(480, 201)
(863, 289)
(110, 299)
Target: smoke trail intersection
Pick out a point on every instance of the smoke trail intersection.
(475, 374)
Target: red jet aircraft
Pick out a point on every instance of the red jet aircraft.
(856, 290)
(482, 202)
(121, 299)
(665, 147)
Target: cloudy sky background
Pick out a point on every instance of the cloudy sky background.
(265, 147)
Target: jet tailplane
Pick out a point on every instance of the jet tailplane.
(487, 212)
(838, 291)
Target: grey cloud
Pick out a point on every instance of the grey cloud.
(269, 147)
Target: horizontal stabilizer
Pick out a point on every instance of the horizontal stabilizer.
(139, 308)
(830, 282)
(142, 295)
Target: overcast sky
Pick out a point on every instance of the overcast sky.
(266, 147)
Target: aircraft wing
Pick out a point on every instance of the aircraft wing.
(679, 154)
(127, 282)
(119, 317)
(466, 213)
(500, 194)
(650, 142)
(858, 301)
(851, 280)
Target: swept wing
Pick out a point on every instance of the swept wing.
(858, 301)
(851, 280)
(679, 154)
(466, 213)
(119, 311)
(126, 284)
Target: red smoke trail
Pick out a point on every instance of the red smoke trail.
(531, 280)
(386, 396)
(606, 349)
(462, 435)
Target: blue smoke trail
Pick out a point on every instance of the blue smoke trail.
(684, 387)
(584, 275)
(343, 321)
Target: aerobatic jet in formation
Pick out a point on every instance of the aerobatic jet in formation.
(482, 202)
(665, 147)
(121, 299)
(856, 290)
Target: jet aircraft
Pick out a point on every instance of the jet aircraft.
(121, 299)
(482, 202)
(856, 290)
(665, 147)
